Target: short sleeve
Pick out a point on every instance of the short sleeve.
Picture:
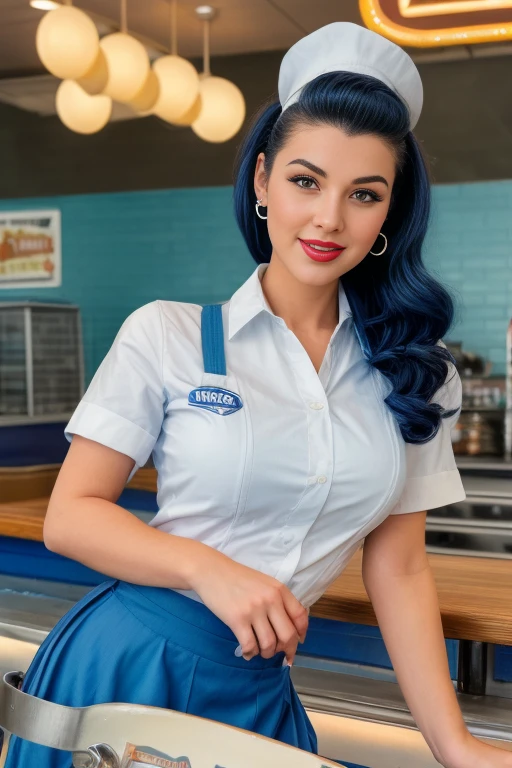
(433, 479)
(123, 407)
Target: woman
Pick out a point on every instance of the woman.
(329, 425)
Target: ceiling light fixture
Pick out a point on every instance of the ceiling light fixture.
(80, 112)
(178, 101)
(44, 5)
(67, 42)
(222, 103)
(95, 80)
(127, 62)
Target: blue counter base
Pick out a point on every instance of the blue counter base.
(357, 644)
(503, 663)
(27, 445)
(31, 559)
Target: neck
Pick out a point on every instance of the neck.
(303, 307)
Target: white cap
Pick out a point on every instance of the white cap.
(346, 47)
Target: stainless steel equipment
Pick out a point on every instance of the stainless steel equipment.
(361, 719)
(480, 526)
(41, 361)
(97, 736)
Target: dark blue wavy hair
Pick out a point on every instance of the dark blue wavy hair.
(400, 311)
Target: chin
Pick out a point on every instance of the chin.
(315, 273)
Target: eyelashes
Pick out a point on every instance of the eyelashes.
(374, 196)
(295, 179)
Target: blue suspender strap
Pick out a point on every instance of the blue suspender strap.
(212, 337)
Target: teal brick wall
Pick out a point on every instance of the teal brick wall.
(122, 250)
(470, 246)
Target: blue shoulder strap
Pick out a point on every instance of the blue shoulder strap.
(212, 337)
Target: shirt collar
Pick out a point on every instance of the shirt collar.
(249, 300)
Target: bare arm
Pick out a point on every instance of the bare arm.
(84, 523)
(401, 586)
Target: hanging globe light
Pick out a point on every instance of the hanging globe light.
(179, 87)
(127, 64)
(145, 99)
(67, 42)
(188, 117)
(222, 110)
(95, 79)
(79, 111)
(178, 80)
(222, 103)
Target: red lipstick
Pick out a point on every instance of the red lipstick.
(316, 255)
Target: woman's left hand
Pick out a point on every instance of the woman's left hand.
(473, 753)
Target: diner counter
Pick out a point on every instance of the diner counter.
(474, 593)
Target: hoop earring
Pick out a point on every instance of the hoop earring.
(258, 203)
(385, 245)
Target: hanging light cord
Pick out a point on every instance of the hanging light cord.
(174, 28)
(206, 47)
(124, 21)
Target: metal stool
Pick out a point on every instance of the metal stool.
(98, 736)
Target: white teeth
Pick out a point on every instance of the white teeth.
(321, 248)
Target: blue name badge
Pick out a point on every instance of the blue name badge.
(220, 401)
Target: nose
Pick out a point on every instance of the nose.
(328, 215)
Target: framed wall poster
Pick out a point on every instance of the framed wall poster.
(30, 249)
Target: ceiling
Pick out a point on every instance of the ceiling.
(466, 123)
(241, 26)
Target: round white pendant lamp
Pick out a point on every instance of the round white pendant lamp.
(67, 42)
(178, 79)
(222, 110)
(188, 117)
(127, 64)
(95, 79)
(145, 99)
(222, 103)
(79, 111)
(179, 87)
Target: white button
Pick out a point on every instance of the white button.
(316, 406)
(312, 480)
(321, 479)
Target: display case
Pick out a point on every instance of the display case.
(41, 361)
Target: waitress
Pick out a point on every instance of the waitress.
(303, 416)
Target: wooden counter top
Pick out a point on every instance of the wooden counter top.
(23, 519)
(475, 593)
(475, 597)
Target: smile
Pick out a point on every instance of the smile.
(318, 252)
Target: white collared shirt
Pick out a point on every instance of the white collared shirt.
(291, 482)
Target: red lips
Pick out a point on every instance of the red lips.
(321, 255)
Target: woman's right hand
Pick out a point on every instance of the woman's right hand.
(261, 611)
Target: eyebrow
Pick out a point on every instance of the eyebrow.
(320, 172)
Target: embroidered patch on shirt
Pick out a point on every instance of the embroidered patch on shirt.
(215, 399)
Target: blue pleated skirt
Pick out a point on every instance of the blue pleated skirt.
(148, 645)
